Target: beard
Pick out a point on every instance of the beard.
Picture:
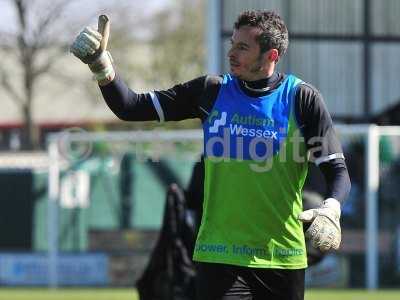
(257, 66)
(250, 70)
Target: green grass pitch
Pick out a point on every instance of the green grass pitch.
(130, 294)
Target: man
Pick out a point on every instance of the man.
(261, 128)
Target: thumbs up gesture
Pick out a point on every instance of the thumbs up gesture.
(90, 46)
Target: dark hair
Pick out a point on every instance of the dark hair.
(274, 32)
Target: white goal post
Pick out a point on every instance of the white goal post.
(371, 134)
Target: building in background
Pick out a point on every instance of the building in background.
(347, 49)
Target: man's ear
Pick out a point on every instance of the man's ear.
(272, 55)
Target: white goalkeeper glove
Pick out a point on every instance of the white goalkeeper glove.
(90, 46)
(324, 230)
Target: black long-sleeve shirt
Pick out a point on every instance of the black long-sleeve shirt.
(195, 99)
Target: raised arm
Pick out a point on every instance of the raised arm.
(183, 101)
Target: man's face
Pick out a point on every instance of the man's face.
(245, 59)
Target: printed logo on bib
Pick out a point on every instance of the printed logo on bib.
(242, 136)
(218, 122)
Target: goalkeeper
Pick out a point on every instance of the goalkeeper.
(261, 128)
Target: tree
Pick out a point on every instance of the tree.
(42, 32)
(178, 44)
(25, 44)
(37, 40)
(177, 49)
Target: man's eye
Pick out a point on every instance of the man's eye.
(238, 47)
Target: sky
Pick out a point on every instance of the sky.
(83, 8)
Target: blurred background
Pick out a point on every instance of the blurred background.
(83, 194)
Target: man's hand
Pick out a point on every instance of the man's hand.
(90, 46)
(324, 230)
